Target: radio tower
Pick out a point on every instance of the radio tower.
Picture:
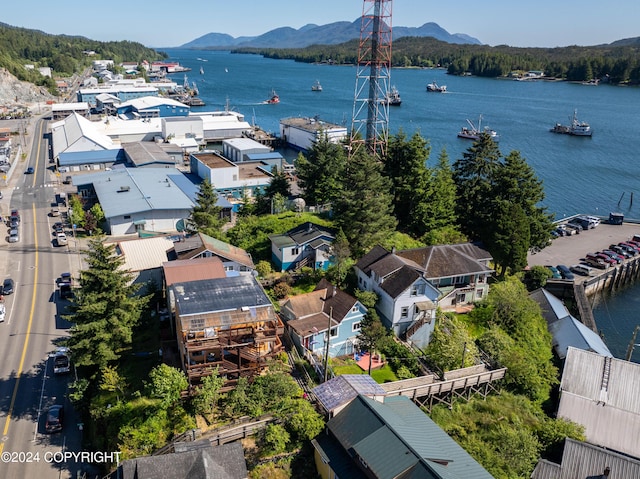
(370, 120)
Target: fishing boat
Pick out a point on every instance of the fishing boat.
(436, 88)
(472, 132)
(316, 86)
(274, 98)
(575, 128)
(393, 97)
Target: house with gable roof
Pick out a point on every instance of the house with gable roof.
(459, 271)
(407, 302)
(200, 245)
(388, 440)
(305, 245)
(308, 317)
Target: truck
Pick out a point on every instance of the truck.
(65, 286)
(61, 361)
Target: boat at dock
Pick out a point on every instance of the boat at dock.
(473, 133)
(434, 87)
(316, 86)
(575, 127)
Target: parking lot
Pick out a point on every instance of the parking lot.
(569, 250)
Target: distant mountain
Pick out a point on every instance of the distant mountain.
(330, 34)
(626, 42)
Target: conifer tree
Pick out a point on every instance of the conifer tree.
(364, 209)
(320, 172)
(205, 216)
(104, 310)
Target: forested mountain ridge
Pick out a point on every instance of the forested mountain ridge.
(618, 63)
(63, 53)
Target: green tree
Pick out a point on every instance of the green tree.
(451, 346)
(112, 381)
(474, 177)
(206, 214)
(364, 208)
(509, 238)
(97, 212)
(320, 172)
(372, 333)
(406, 166)
(304, 423)
(104, 310)
(207, 394)
(76, 215)
(341, 254)
(166, 384)
(536, 277)
(275, 438)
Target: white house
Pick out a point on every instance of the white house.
(303, 133)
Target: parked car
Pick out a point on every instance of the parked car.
(593, 260)
(55, 211)
(67, 180)
(582, 269)
(8, 286)
(630, 247)
(61, 239)
(554, 272)
(620, 250)
(618, 257)
(55, 419)
(565, 272)
(14, 235)
(607, 259)
(573, 229)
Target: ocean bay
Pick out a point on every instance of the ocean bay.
(581, 175)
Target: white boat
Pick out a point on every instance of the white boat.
(575, 128)
(201, 71)
(473, 133)
(393, 97)
(316, 86)
(437, 88)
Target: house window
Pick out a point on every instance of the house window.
(404, 312)
(417, 289)
(354, 309)
(127, 217)
(197, 323)
(479, 293)
(295, 251)
(458, 280)
(334, 332)
(355, 326)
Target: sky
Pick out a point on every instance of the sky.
(164, 23)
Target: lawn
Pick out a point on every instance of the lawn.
(349, 366)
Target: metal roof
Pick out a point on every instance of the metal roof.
(602, 394)
(568, 331)
(224, 294)
(124, 191)
(344, 388)
(144, 253)
(183, 270)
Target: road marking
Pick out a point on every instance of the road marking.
(30, 324)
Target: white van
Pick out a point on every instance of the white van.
(582, 269)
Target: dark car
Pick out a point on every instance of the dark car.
(8, 286)
(565, 271)
(29, 171)
(55, 419)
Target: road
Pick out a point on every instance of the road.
(33, 325)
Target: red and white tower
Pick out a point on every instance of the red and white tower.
(370, 120)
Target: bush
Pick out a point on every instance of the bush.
(275, 439)
(281, 290)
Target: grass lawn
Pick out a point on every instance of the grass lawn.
(381, 375)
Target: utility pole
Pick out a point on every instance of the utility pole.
(632, 343)
(326, 351)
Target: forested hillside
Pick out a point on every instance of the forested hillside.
(619, 64)
(64, 54)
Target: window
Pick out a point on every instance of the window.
(354, 309)
(417, 289)
(356, 326)
(458, 280)
(479, 293)
(404, 312)
(127, 217)
(334, 332)
(295, 251)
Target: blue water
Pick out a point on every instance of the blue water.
(581, 175)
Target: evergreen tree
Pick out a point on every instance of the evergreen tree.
(320, 173)
(474, 176)
(364, 208)
(372, 333)
(104, 310)
(438, 211)
(277, 191)
(206, 214)
(509, 237)
(406, 167)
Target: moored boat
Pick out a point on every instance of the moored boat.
(316, 86)
(473, 133)
(393, 97)
(436, 88)
(575, 128)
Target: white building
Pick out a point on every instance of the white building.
(302, 133)
(237, 149)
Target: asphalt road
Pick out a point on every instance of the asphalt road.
(33, 325)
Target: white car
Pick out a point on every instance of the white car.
(61, 239)
(2, 312)
(14, 236)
